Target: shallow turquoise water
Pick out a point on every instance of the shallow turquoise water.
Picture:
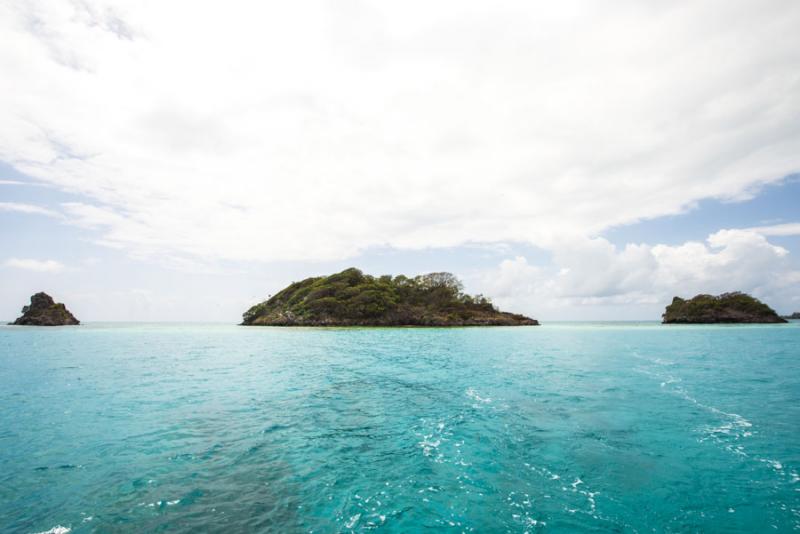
(562, 428)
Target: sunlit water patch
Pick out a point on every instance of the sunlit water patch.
(562, 428)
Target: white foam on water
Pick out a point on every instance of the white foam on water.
(436, 441)
(160, 503)
(534, 522)
(735, 426)
(734, 429)
(776, 465)
(670, 380)
(573, 487)
(353, 520)
(522, 509)
(472, 394)
(429, 446)
(58, 529)
(369, 511)
(659, 361)
(735, 420)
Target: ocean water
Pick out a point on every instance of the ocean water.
(620, 427)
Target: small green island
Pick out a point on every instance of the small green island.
(352, 298)
(732, 307)
(794, 316)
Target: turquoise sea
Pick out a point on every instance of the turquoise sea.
(616, 427)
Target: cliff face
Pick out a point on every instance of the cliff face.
(725, 308)
(44, 311)
(351, 298)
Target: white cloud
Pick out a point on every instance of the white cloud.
(20, 207)
(40, 266)
(785, 229)
(20, 182)
(594, 273)
(515, 277)
(286, 131)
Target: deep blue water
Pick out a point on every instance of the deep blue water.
(561, 428)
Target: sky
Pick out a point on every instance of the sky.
(180, 161)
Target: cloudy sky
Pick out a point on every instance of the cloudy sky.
(573, 160)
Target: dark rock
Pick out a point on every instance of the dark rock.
(726, 308)
(351, 298)
(44, 311)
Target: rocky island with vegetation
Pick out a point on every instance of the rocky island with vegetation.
(794, 316)
(726, 308)
(352, 298)
(44, 311)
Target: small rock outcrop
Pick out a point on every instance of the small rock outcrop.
(352, 298)
(44, 311)
(726, 308)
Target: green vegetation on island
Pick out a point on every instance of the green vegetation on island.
(44, 311)
(733, 307)
(352, 298)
